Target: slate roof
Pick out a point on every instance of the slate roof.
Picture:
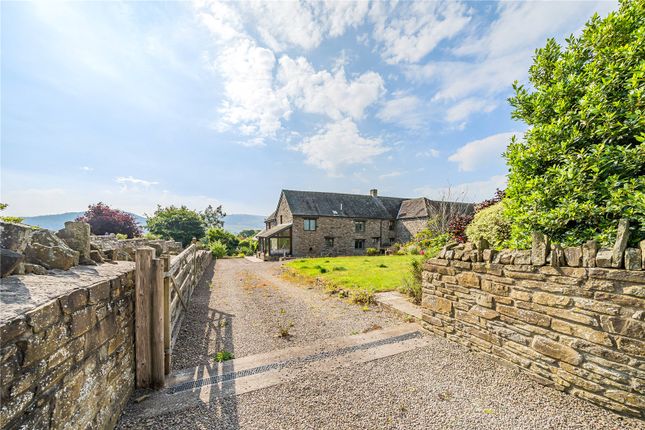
(271, 217)
(312, 203)
(414, 208)
(423, 208)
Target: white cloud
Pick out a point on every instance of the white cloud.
(432, 153)
(338, 145)
(252, 104)
(260, 92)
(283, 24)
(86, 168)
(483, 152)
(129, 180)
(463, 109)
(256, 142)
(465, 192)
(328, 93)
(488, 61)
(411, 30)
(390, 175)
(405, 110)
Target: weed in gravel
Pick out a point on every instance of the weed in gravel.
(223, 323)
(282, 312)
(362, 297)
(445, 395)
(488, 411)
(365, 308)
(283, 330)
(343, 294)
(223, 356)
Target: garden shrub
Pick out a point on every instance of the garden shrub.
(121, 236)
(218, 249)
(372, 251)
(581, 164)
(490, 224)
(411, 285)
(176, 223)
(105, 220)
(227, 238)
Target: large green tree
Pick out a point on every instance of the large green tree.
(581, 164)
(177, 223)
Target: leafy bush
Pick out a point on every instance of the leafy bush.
(411, 289)
(151, 236)
(121, 236)
(177, 223)
(242, 250)
(581, 165)
(491, 224)
(372, 251)
(228, 239)
(105, 220)
(411, 285)
(248, 243)
(431, 243)
(457, 227)
(218, 249)
(248, 233)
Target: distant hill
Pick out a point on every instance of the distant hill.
(57, 221)
(233, 222)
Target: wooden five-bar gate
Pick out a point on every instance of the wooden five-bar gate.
(164, 287)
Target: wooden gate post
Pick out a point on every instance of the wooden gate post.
(167, 332)
(157, 326)
(143, 285)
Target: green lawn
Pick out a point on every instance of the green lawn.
(382, 273)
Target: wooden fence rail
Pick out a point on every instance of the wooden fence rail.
(164, 287)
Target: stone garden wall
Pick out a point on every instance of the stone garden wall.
(550, 312)
(67, 347)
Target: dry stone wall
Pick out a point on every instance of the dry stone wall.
(67, 347)
(549, 311)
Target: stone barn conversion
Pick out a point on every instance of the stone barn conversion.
(308, 223)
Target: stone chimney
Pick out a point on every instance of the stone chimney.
(374, 192)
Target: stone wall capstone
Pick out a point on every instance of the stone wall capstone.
(550, 312)
(67, 347)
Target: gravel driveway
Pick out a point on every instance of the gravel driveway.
(242, 306)
(440, 386)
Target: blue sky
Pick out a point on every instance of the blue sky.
(197, 103)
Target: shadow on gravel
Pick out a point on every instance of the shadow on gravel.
(208, 325)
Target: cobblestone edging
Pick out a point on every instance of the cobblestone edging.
(578, 329)
(67, 361)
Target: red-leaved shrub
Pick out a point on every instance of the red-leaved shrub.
(105, 220)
